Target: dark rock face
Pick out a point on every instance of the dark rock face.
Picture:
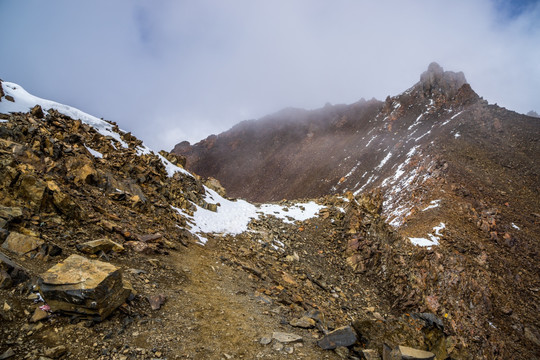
(437, 81)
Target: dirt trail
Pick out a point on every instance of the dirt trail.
(217, 314)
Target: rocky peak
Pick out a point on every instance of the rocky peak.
(436, 81)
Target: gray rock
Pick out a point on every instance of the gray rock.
(11, 273)
(7, 354)
(343, 336)
(286, 337)
(391, 352)
(265, 340)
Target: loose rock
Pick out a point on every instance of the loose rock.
(286, 337)
(21, 244)
(344, 336)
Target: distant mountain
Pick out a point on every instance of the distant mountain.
(454, 173)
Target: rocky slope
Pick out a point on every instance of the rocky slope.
(454, 174)
(328, 278)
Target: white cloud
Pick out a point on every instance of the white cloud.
(188, 69)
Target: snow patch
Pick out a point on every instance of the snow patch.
(233, 217)
(94, 153)
(453, 117)
(25, 101)
(432, 205)
(433, 238)
(385, 160)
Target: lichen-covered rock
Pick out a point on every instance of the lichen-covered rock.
(84, 287)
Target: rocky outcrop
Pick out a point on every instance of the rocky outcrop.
(436, 81)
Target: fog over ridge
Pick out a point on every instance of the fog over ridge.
(175, 70)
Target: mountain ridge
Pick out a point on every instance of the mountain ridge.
(453, 274)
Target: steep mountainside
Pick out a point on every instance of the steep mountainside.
(83, 201)
(454, 174)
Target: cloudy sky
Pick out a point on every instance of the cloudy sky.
(174, 70)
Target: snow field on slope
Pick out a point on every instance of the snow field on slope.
(233, 217)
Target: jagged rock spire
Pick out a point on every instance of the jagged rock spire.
(437, 81)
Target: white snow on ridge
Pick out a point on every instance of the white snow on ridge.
(25, 101)
(421, 242)
(94, 153)
(456, 115)
(433, 238)
(233, 217)
(432, 205)
(383, 161)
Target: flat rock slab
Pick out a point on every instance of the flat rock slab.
(95, 246)
(343, 336)
(84, 287)
(286, 337)
(408, 353)
(21, 244)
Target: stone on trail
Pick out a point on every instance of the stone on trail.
(39, 315)
(408, 353)
(286, 337)
(95, 246)
(21, 244)
(303, 322)
(343, 336)
(80, 286)
(156, 301)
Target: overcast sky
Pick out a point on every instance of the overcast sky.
(179, 70)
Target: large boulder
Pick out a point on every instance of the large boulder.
(80, 286)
